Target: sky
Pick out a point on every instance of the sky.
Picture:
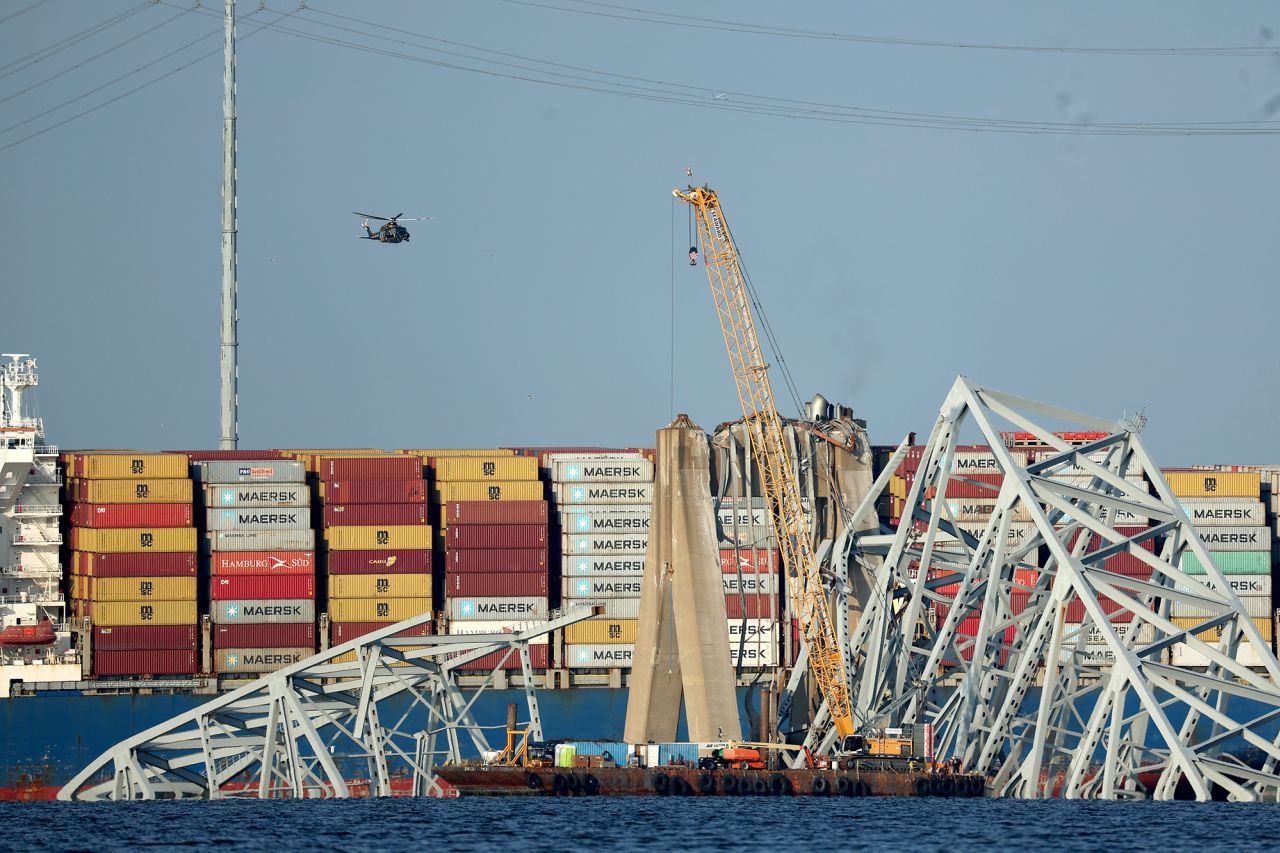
(549, 300)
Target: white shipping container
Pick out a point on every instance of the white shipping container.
(1020, 532)
(1146, 633)
(753, 655)
(516, 608)
(1224, 512)
(1257, 606)
(1235, 538)
(229, 472)
(595, 586)
(605, 544)
(606, 522)
(602, 493)
(494, 626)
(260, 540)
(750, 584)
(263, 611)
(271, 495)
(980, 509)
(596, 565)
(569, 510)
(1246, 653)
(614, 608)
(604, 656)
(1242, 585)
(1133, 470)
(637, 470)
(978, 462)
(257, 518)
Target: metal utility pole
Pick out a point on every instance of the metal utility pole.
(230, 427)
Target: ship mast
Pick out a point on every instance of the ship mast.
(229, 358)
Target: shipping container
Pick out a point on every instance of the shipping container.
(288, 635)
(260, 540)
(1246, 655)
(1257, 606)
(130, 491)
(234, 563)
(753, 655)
(597, 586)
(611, 608)
(251, 471)
(136, 638)
(1213, 635)
(1020, 532)
(565, 511)
(507, 607)
(625, 566)
(343, 632)
(497, 626)
(1230, 562)
(258, 660)
(172, 564)
(495, 584)
(968, 462)
(604, 544)
(972, 486)
(750, 584)
(369, 467)
(133, 589)
(110, 516)
(360, 515)
(588, 470)
(1075, 469)
(233, 455)
(262, 587)
(380, 586)
(263, 611)
(124, 613)
(507, 560)
(1236, 538)
(1224, 512)
(601, 630)
(601, 656)
(751, 606)
(497, 490)
(1214, 484)
(374, 491)
(134, 540)
(145, 662)
(603, 493)
(377, 609)
(403, 647)
(748, 561)
(435, 452)
(496, 536)
(499, 512)
(539, 658)
(262, 497)
(127, 465)
(603, 521)
(257, 518)
(385, 537)
(378, 562)
(463, 468)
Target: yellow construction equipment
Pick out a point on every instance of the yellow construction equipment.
(791, 526)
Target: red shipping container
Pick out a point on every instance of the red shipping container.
(750, 562)
(500, 584)
(378, 562)
(539, 658)
(369, 467)
(983, 486)
(496, 536)
(494, 512)
(230, 563)
(154, 662)
(336, 515)
(262, 586)
(162, 565)
(507, 560)
(296, 636)
(229, 455)
(131, 515)
(375, 491)
(132, 638)
(751, 606)
(343, 632)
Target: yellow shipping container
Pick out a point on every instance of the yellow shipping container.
(1215, 484)
(379, 586)
(131, 491)
(898, 487)
(377, 609)
(502, 490)
(135, 540)
(386, 537)
(349, 657)
(133, 589)
(1214, 634)
(120, 613)
(126, 465)
(450, 469)
(597, 631)
(457, 451)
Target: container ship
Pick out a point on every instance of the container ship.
(137, 584)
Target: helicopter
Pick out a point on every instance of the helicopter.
(390, 232)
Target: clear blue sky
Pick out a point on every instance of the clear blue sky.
(1100, 272)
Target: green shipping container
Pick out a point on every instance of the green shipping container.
(1231, 562)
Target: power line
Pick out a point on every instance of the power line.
(23, 11)
(670, 19)
(75, 38)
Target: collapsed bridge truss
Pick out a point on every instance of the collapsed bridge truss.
(374, 708)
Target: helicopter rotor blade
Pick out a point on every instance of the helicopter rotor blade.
(370, 216)
(397, 216)
(416, 219)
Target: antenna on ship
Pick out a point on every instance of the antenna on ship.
(228, 357)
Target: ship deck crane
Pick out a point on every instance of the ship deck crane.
(805, 588)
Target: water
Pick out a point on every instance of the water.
(631, 823)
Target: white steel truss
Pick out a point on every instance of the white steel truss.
(373, 708)
(968, 631)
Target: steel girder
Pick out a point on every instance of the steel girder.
(965, 625)
(305, 730)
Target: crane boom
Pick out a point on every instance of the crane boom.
(790, 525)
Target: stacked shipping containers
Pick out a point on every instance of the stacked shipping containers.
(752, 585)
(261, 563)
(603, 503)
(494, 538)
(133, 561)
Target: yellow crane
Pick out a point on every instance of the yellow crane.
(790, 524)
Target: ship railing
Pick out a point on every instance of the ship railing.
(21, 570)
(46, 450)
(29, 539)
(45, 478)
(37, 509)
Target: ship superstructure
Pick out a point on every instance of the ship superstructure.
(33, 624)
